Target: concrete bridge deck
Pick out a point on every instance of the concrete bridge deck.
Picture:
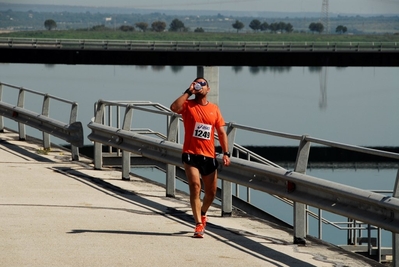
(55, 212)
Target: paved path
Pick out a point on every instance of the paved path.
(55, 212)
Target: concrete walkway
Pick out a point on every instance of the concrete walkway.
(55, 212)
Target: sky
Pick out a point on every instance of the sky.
(334, 6)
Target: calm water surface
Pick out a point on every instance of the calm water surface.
(350, 105)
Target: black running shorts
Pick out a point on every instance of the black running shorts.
(205, 165)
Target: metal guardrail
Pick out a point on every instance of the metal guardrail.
(71, 132)
(319, 141)
(196, 45)
(361, 206)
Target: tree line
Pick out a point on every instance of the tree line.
(257, 25)
(33, 20)
(178, 26)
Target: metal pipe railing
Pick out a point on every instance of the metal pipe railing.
(71, 131)
(14, 42)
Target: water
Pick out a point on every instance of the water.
(353, 105)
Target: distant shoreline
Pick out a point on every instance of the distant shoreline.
(183, 12)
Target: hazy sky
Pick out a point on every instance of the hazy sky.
(335, 6)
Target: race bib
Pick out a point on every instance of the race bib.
(202, 131)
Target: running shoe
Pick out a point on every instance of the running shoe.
(199, 231)
(204, 219)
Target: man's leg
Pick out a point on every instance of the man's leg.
(210, 187)
(194, 184)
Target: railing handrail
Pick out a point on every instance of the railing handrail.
(15, 42)
(39, 93)
(103, 41)
(71, 131)
(320, 141)
(365, 150)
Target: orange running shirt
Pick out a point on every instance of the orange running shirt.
(200, 123)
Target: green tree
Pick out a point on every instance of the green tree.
(312, 26)
(126, 28)
(50, 24)
(199, 30)
(289, 27)
(99, 28)
(316, 27)
(158, 26)
(320, 27)
(176, 26)
(238, 25)
(255, 25)
(274, 27)
(142, 26)
(281, 26)
(341, 29)
(264, 26)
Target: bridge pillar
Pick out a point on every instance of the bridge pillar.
(211, 74)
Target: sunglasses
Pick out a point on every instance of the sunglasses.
(201, 83)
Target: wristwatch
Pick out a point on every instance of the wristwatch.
(227, 154)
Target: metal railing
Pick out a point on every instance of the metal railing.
(365, 209)
(71, 131)
(11, 42)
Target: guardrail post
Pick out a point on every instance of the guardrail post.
(45, 112)
(173, 129)
(73, 118)
(98, 147)
(300, 223)
(227, 191)
(126, 125)
(20, 104)
(1, 117)
(395, 237)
